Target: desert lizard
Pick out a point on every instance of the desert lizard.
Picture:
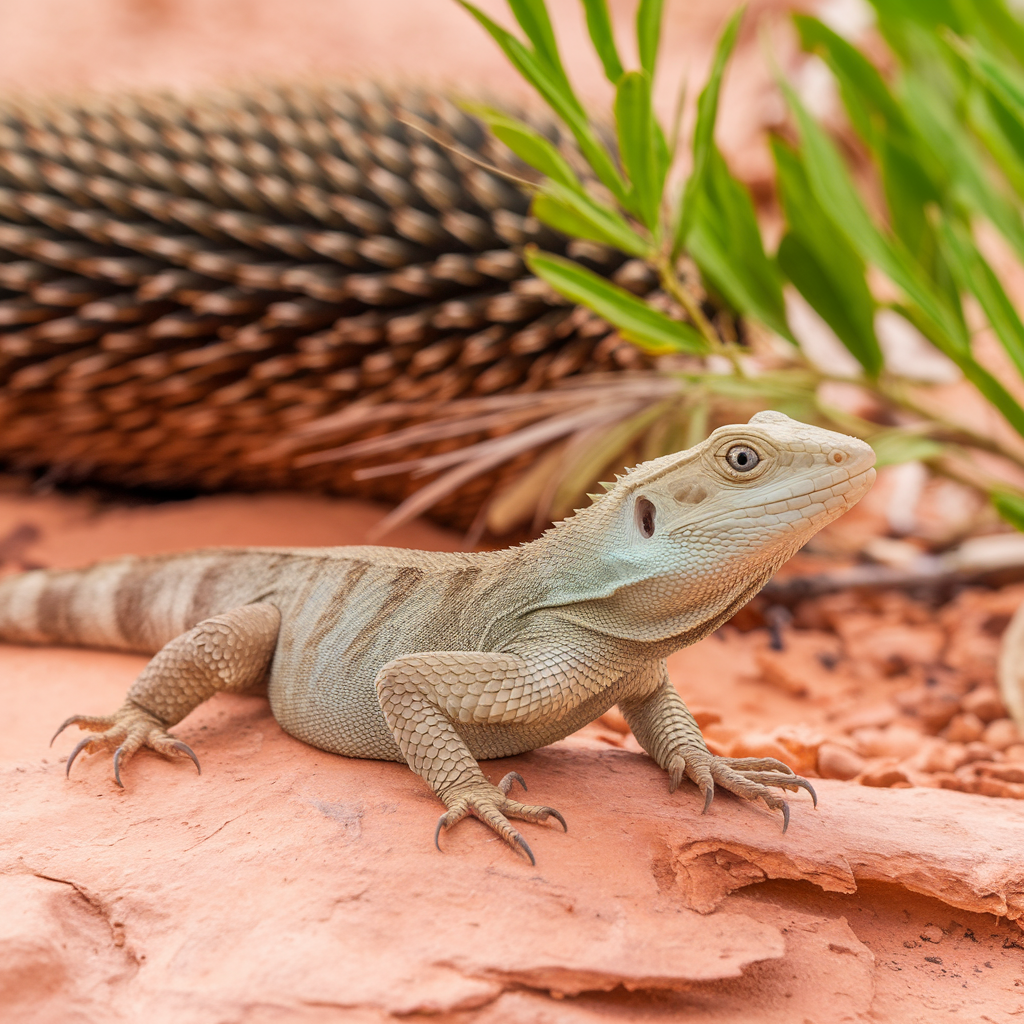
(443, 659)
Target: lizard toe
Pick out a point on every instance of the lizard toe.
(491, 805)
(125, 732)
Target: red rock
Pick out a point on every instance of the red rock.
(984, 702)
(801, 668)
(838, 762)
(894, 647)
(884, 776)
(1014, 752)
(1001, 733)
(945, 757)
(978, 751)
(895, 741)
(964, 728)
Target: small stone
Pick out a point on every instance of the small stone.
(984, 701)
(884, 776)
(1014, 752)
(944, 757)
(965, 728)
(897, 741)
(1000, 734)
(838, 762)
(931, 934)
(978, 751)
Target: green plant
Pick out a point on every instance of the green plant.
(945, 142)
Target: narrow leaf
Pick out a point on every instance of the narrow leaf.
(648, 33)
(533, 19)
(822, 265)
(599, 24)
(634, 119)
(528, 144)
(703, 132)
(1010, 506)
(974, 274)
(725, 241)
(559, 96)
(636, 321)
(895, 446)
(578, 215)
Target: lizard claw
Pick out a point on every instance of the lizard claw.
(493, 807)
(749, 777)
(125, 731)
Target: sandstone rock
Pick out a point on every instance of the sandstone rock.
(885, 775)
(1000, 734)
(838, 762)
(964, 728)
(985, 703)
(895, 741)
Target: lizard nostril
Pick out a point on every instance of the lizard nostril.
(838, 457)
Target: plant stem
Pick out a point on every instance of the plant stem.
(671, 283)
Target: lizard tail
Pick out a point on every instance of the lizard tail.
(81, 608)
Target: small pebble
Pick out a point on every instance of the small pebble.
(965, 728)
(932, 933)
(838, 762)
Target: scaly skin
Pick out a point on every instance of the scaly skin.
(442, 660)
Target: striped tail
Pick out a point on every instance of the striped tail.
(127, 604)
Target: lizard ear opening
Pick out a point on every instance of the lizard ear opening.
(645, 511)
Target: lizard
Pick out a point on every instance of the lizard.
(443, 659)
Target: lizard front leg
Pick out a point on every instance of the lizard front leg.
(664, 727)
(229, 652)
(426, 696)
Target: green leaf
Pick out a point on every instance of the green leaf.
(533, 19)
(528, 144)
(648, 33)
(725, 241)
(634, 119)
(599, 25)
(832, 298)
(580, 216)
(941, 126)
(864, 92)
(973, 274)
(823, 266)
(559, 96)
(1010, 506)
(929, 308)
(835, 192)
(1001, 131)
(895, 446)
(636, 321)
(703, 132)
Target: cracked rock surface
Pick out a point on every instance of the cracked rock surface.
(285, 883)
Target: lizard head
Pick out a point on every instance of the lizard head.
(681, 542)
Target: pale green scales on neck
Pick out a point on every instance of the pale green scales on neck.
(441, 660)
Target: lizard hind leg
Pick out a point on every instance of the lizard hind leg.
(491, 805)
(230, 652)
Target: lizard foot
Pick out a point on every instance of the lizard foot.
(492, 806)
(748, 777)
(125, 731)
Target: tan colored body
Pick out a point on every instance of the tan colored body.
(444, 659)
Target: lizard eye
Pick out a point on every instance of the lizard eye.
(645, 516)
(742, 458)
